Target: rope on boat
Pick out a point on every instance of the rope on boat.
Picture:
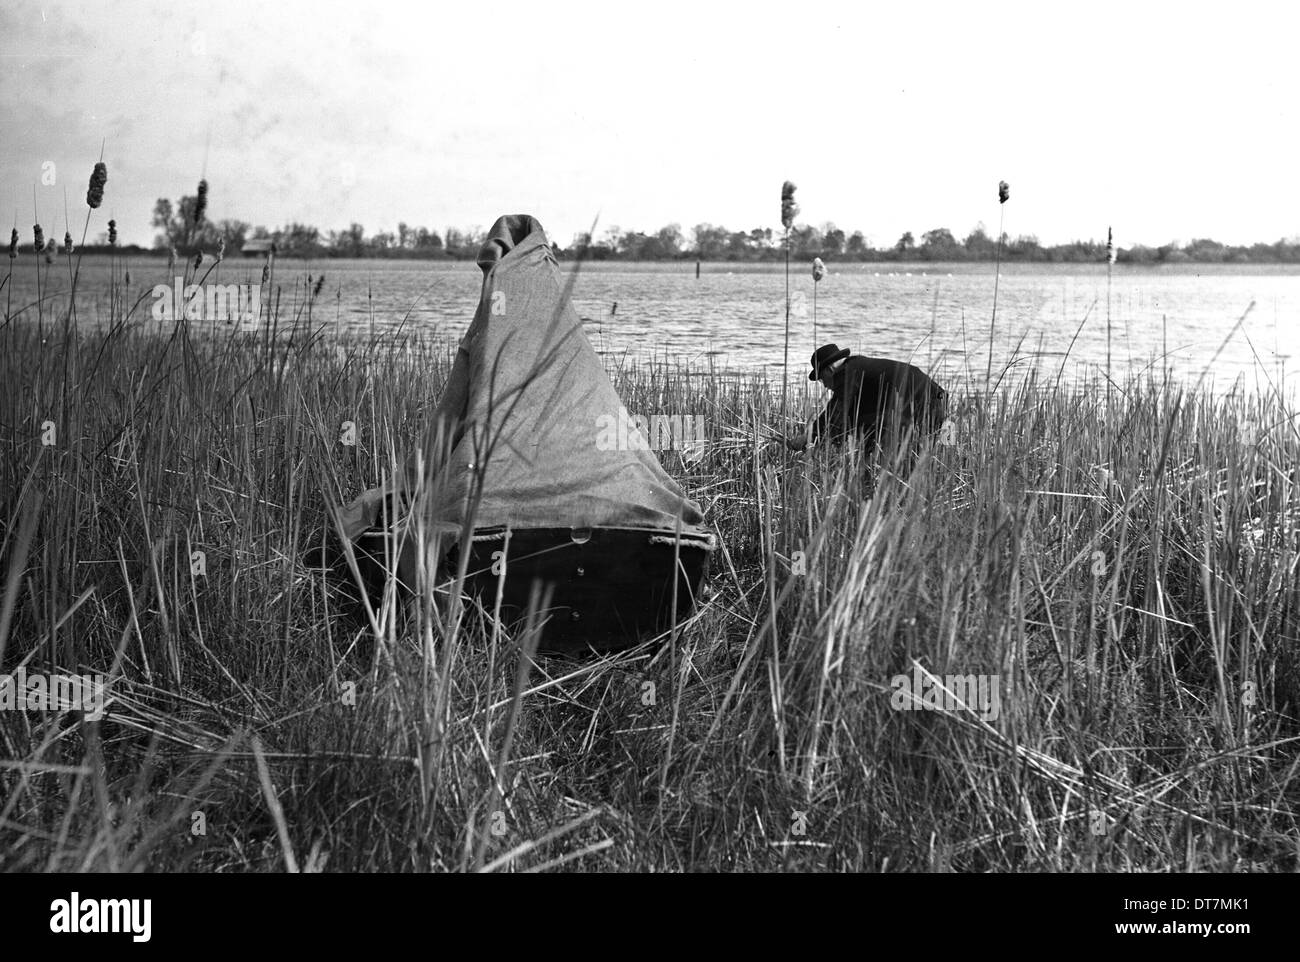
(706, 542)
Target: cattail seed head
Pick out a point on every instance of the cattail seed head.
(13, 244)
(789, 209)
(221, 249)
(1110, 246)
(198, 259)
(50, 248)
(39, 235)
(1004, 191)
(98, 178)
(320, 282)
(266, 271)
(819, 269)
(127, 279)
(171, 258)
(67, 242)
(201, 204)
(112, 233)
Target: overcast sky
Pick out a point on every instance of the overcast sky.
(1169, 122)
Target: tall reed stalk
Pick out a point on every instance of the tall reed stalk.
(1110, 264)
(818, 272)
(9, 277)
(789, 210)
(1004, 192)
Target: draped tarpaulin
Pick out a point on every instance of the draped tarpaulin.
(528, 404)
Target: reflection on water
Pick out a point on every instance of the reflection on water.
(1049, 317)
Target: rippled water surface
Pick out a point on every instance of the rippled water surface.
(1053, 317)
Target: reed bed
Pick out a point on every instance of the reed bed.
(1130, 575)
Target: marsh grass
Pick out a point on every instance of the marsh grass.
(1159, 693)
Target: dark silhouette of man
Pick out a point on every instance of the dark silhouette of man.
(870, 397)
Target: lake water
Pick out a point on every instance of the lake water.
(733, 315)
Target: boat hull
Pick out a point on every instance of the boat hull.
(609, 588)
(604, 589)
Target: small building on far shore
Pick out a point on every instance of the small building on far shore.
(256, 247)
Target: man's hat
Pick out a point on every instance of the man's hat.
(825, 355)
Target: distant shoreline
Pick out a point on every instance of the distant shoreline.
(798, 267)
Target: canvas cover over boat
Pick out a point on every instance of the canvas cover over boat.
(521, 437)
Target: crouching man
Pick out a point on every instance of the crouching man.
(871, 397)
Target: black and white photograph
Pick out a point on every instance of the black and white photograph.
(674, 438)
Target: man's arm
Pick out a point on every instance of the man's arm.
(815, 428)
(822, 423)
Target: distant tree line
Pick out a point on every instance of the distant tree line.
(176, 228)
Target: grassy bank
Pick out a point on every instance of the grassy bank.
(1130, 577)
